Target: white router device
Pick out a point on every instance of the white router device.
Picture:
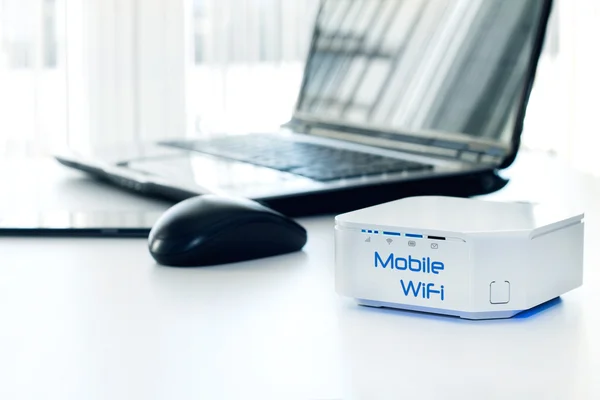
(470, 258)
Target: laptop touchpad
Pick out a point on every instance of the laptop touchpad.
(236, 177)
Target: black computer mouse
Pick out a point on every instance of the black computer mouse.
(211, 230)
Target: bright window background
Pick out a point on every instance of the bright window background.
(32, 77)
(248, 58)
(88, 72)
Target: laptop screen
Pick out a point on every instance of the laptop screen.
(452, 67)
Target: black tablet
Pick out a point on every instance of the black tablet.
(78, 223)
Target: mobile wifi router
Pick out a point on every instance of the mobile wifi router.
(470, 258)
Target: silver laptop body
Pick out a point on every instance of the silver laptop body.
(440, 86)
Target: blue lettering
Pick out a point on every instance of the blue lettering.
(431, 291)
(384, 264)
(436, 266)
(426, 290)
(412, 261)
(410, 288)
(403, 260)
(424, 265)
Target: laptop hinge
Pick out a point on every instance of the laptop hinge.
(463, 150)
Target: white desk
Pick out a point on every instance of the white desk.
(98, 319)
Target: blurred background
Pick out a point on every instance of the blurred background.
(82, 73)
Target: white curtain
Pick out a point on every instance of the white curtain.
(248, 60)
(125, 64)
(87, 73)
(32, 81)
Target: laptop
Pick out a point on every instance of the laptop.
(398, 98)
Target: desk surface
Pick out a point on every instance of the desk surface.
(98, 319)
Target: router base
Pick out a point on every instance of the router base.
(461, 314)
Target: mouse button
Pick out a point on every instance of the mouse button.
(181, 225)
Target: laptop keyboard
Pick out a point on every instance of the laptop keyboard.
(321, 163)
